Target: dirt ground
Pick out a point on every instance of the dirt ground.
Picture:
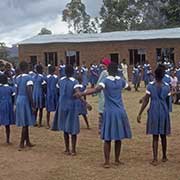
(46, 160)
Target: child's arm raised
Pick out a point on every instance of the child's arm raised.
(143, 106)
(89, 91)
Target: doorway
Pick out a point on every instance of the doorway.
(115, 58)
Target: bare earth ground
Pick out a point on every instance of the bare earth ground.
(46, 160)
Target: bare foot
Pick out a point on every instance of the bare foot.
(117, 163)
(39, 125)
(21, 147)
(68, 153)
(106, 165)
(164, 159)
(30, 145)
(48, 127)
(73, 154)
(154, 162)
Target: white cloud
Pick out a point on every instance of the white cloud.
(21, 19)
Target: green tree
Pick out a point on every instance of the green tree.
(151, 14)
(172, 13)
(77, 18)
(3, 51)
(118, 15)
(45, 31)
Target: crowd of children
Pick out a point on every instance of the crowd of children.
(26, 91)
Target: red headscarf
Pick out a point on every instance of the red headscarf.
(106, 62)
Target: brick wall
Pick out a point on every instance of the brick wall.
(90, 52)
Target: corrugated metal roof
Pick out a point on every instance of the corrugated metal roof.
(173, 33)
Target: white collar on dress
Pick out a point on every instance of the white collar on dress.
(71, 78)
(112, 78)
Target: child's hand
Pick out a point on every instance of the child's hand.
(141, 101)
(34, 110)
(77, 94)
(89, 107)
(128, 88)
(139, 118)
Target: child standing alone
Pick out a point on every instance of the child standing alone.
(158, 120)
(7, 117)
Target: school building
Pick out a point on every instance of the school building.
(134, 46)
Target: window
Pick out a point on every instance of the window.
(72, 57)
(165, 54)
(33, 60)
(114, 57)
(51, 58)
(137, 56)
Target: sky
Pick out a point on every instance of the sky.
(21, 19)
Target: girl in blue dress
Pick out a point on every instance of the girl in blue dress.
(39, 90)
(24, 105)
(145, 73)
(52, 93)
(136, 79)
(158, 120)
(7, 117)
(62, 69)
(84, 74)
(115, 121)
(93, 74)
(178, 72)
(83, 105)
(67, 115)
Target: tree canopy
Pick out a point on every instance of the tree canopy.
(44, 31)
(121, 15)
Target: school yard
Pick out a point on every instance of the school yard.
(46, 160)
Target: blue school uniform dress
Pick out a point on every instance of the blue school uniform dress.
(115, 124)
(93, 74)
(178, 74)
(24, 114)
(7, 116)
(167, 79)
(158, 121)
(84, 73)
(145, 73)
(76, 72)
(80, 104)
(62, 70)
(32, 74)
(120, 72)
(67, 115)
(52, 93)
(135, 76)
(38, 93)
(150, 76)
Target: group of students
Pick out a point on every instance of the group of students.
(67, 97)
(145, 73)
